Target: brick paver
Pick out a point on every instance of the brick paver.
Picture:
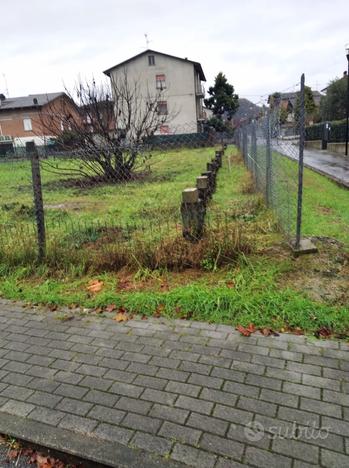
(196, 393)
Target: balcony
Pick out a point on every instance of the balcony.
(199, 90)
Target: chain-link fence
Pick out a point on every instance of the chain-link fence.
(269, 147)
(90, 204)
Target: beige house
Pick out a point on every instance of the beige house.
(179, 82)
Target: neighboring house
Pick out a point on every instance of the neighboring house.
(177, 79)
(246, 111)
(36, 117)
(287, 102)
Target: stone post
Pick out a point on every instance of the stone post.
(218, 158)
(202, 184)
(193, 214)
(210, 182)
(213, 168)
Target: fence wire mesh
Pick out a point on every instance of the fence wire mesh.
(271, 151)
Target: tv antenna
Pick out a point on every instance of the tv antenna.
(147, 41)
(5, 83)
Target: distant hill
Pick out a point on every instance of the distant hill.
(247, 110)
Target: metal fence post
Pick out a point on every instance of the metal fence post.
(300, 163)
(254, 150)
(32, 152)
(244, 145)
(268, 178)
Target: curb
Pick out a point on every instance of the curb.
(83, 446)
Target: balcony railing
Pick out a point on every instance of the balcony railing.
(199, 90)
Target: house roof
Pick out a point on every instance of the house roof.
(197, 65)
(23, 102)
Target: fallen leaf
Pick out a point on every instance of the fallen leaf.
(246, 331)
(12, 454)
(230, 284)
(110, 308)
(323, 332)
(266, 331)
(95, 286)
(144, 317)
(121, 317)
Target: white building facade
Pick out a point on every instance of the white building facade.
(177, 82)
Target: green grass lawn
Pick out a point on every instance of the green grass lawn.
(264, 284)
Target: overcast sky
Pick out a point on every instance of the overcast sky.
(261, 46)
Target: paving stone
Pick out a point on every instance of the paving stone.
(71, 391)
(321, 361)
(238, 433)
(44, 399)
(158, 396)
(96, 383)
(322, 407)
(269, 361)
(17, 408)
(179, 433)
(18, 367)
(303, 368)
(144, 369)
(228, 374)
(114, 363)
(289, 376)
(103, 414)
(264, 459)
(232, 414)
(207, 381)
(16, 392)
(40, 371)
(302, 390)
(101, 398)
(336, 426)
(63, 365)
(265, 382)
(46, 415)
(228, 463)
(193, 404)
(211, 425)
(113, 433)
(288, 355)
(336, 397)
(302, 417)
(142, 423)
(151, 443)
(193, 457)
(241, 389)
(297, 449)
(121, 388)
(218, 396)
(257, 406)
(222, 446)
(152, 382)
(133, 405)
(195, 367)
(176, 415)
(68, 377)
(171, 374)
(321, 382)
(183, 388)
(77, 407)
(333, 459)
(17, 379)
(119, 375)
(78, 424)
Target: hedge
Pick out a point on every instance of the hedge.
(336, 135)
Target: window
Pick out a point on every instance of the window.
(27, 124)
(162, 108)
(164, 129)
(160, 81)
(151, 60)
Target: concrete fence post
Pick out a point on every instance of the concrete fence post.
(202, 184)
(211, 167)
(32, 152)
(218, 158)
(193, 214)
(210, 182)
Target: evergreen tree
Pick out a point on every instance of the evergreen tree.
(222, 101)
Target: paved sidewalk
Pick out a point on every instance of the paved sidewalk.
(334, 166)
(172, 393)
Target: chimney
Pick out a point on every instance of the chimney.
(35, 101)
(2, 98)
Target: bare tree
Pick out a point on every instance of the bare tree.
(109, 130)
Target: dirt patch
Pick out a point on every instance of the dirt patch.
(324, 276)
